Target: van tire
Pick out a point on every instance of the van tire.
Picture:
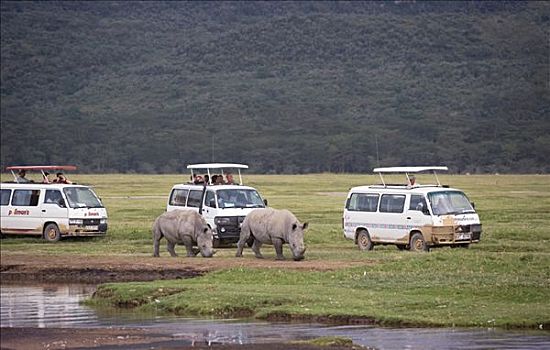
(52, 233)
(418, 243)
(363, 241)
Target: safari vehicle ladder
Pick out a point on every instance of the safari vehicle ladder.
(219, 166)
(40, 168)
(410, 170)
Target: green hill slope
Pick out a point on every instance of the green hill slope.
(285, 87)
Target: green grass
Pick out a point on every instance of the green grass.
(504, 281)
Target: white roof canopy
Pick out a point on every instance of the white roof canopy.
(410, 169)
(217, 166)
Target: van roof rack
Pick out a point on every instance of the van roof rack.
(217, 166)
(410, 170)
(40, 168)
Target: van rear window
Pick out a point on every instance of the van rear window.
(5, 197)
(27, 198)
(179, 197)
(392, 203)
(363, 202)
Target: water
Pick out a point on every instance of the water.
(58, 306)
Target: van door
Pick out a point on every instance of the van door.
(24, 213)
(391, 220)
(209, 210)
(55, 209)
(418, 214)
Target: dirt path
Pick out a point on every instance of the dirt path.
(64, 268)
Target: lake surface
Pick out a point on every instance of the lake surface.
(59, 306)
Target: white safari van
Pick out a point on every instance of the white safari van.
(410, 216)
(223, 203)
(52, 210)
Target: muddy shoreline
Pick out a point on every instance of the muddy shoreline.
(125, 338)
(20, 268)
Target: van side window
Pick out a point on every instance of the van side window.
(210, 200)
(363, 202)
(54, 197)
(179, 197)
(28, 198)
(5, 197)
(194, 199)
(392, 203)
(417, 202)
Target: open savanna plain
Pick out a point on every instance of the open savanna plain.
(504, 281)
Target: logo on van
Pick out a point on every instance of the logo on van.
(91, 214)
(18, 212)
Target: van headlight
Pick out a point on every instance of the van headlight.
(220, 220)
(103, 221)
(76, 222)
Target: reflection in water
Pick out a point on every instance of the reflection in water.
(45, 306)
(58, 306)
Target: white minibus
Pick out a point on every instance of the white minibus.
(410, 216)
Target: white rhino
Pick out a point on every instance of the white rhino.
(183, 227)
(276, 227)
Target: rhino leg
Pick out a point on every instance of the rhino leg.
(188, 242)
(243, 238)
(256, 249)
(170, 247)
(156, 243)
(278, 243)
(157, 236)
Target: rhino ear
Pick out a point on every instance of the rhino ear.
(305, 225)
(294, 227)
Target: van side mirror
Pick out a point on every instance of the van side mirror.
(473, 205)
(265, 202)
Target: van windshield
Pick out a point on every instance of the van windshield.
(450, 202)
(82, 197)
(239, 198)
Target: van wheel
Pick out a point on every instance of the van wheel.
(418, 244)
(363, 241)
(51, 233)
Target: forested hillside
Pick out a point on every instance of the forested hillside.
(282, 86)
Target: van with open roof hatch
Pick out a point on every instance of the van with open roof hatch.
(223, 202)
(50, 209)
(410, 216)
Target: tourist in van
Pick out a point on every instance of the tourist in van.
(198, 180)
(218, 179)
(412, 181)
(229, 178)
(21, 176)
(61, 179)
